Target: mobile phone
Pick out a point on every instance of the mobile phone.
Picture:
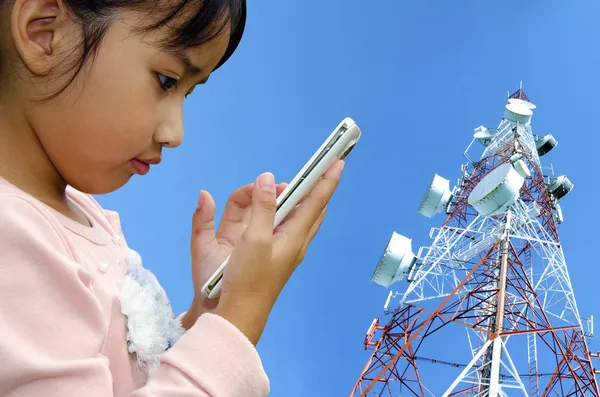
(337, 146)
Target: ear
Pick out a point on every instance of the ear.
(38, 29)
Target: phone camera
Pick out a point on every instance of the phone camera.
(347, 152)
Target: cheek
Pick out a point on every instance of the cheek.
(117, 113)
(121, 107)
(101, 127)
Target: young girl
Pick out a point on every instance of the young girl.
(91, 92)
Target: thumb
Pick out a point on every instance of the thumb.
(203, 241)
(263, 207)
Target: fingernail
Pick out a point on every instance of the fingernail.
(200, 200)
(266, 181)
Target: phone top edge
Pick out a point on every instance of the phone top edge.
(314, 161)
(346, 124)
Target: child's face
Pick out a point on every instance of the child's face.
(116, 110)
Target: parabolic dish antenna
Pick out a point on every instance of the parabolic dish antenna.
(518, 113)
(437, 197)
(522, 102)
(545, 144)
(497, 191)
(560, 187)
(484, 135)
(395, 262)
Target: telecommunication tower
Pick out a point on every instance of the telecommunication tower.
(489, 309)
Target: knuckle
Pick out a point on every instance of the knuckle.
(323, 212)
(289, 242)
(248, 238)
(256, 240)
(282, 234)
(300, 257)
(268, 203)
(298, 246)
(321, 202)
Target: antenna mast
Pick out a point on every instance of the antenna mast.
(488, 309)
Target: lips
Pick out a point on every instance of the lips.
(140, 167)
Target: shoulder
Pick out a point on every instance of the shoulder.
(35, 252)
(21, 210)
(27, 223)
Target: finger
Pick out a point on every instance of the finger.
(234, 219)
(313, 232)
(260, 227)
(279, 188)
(309, 210)
(237, 213)
(203, 227)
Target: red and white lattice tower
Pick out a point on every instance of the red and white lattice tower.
(489, 309)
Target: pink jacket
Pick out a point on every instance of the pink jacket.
(62, 332)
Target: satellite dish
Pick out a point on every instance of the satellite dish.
(396, 261)
(522, 102)
(545, 144)
(497, 191)
(484, 135)
(518, 113)
(560, 187)
(437, 197)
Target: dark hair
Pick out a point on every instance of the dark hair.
(205, 19)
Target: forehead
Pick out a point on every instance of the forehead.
(199, 47)
(207, 55)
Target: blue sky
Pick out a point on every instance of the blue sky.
(417, 77)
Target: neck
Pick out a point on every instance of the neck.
(23, 161)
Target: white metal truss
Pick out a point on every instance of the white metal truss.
(508, 385)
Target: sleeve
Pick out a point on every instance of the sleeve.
(53, 328)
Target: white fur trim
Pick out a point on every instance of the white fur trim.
(151, 326)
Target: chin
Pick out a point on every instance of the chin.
(99, 186)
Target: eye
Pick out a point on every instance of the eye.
(166, 82)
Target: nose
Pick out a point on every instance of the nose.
(169, 132)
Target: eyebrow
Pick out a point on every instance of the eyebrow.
(189, 66)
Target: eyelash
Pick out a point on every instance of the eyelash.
(168, 83)
(164, 82)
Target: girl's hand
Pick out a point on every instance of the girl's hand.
(263, 260)
(209, 249)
